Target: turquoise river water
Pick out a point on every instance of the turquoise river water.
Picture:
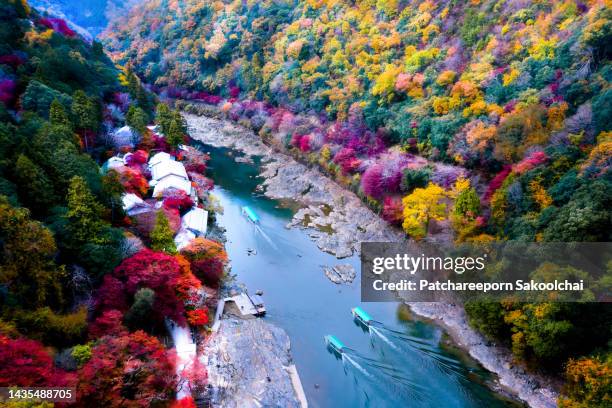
(396, 363)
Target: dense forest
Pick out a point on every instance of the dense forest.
(83, 300)
(493, 116)
(522, 99)
(490, 119)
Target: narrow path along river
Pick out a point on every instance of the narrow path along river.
(397, 363)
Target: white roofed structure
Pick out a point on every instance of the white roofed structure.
(158, 158)
(167, 168)
(113, 163)
(171, 181)
(196, 220)
(124, 136)
(132, 204)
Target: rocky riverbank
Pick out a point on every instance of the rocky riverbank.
(338, 221)
(537, 390)
(248, 363)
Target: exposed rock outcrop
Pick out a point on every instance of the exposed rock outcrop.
(338, 274)
(247, 362)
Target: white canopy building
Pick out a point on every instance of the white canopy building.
(113, 163)
(158, 158)
(168, 168)
(154, 129)
(183, 238)
(133, 205)
(193, 224)
(171, 181)
(196, 220)
(125, 136)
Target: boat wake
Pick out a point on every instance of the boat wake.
(266, 237)
(426, 349)
(385, 375)
(349, 360)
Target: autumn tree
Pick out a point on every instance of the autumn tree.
(27, 266)
(208, 259)
(26, 363)
(159, 272)
(162, 236)
(109, 322)
(131, 370)
(422, 206)
(589, 381)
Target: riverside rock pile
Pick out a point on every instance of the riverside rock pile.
(338, 274)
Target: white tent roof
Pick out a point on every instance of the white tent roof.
(124, 131)
(166, 168)
(172, 181)
(132, 204)
(115, 162)
(196, 220)
(158, 158)
(124, 136)
(131, 200)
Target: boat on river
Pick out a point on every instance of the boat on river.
(361, 316)
(334, 344)
(250, 214)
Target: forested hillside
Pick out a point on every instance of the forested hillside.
(517, 90)
(83, 301)
(508, 100)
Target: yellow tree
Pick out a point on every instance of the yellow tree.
(422, 206)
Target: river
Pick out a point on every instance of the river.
(399, 363)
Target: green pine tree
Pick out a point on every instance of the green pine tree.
(34, 187)
(256, 72)
(138, 317)
(84, 211)
(137, 119)
(84, 111)
(163, 117)
(58, 115)
(162, 236)
(176, 132)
